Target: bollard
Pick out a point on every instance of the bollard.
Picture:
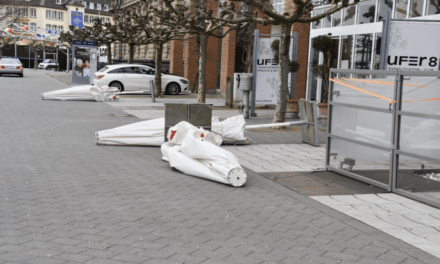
(245, 85)
(153, 99)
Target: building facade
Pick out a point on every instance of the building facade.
(56, 15)
(53, 16)
(143, 54)
(357, 33)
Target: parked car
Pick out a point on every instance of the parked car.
(48, 64)
(11, 66)
(133, 77)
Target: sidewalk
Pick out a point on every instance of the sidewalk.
(64, 199)
(272, 156)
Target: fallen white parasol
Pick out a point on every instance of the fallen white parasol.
(199, 157)
(83, 93)
(151, 132)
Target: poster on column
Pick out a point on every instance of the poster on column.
(411, 47)
(267, 74)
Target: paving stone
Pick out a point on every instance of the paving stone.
(125, 205)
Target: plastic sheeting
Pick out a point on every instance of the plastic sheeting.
(198, 156)
(83, 93)
(151, 132)
(145, 133)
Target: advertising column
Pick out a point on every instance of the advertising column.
(85, 61)
(267, 74)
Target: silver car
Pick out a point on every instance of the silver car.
(11, 66)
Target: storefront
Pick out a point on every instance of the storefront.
(357, 33)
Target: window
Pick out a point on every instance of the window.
(92, 5)
(123, 70)
(16, 12)
(33, 26)
(105, 7)
(54, 28)
(349, 15)
(337, 19)
(60, 16)
(47, 27)
(60, 28)
(103, 69)
(416, 8)
(59, 2)
(107, 20)
(54, 14)
(401, 6)
(86, 19)
(364, 43)
(25, 12)
(33, 13)
(433, 7)
(326, 20)
(47, 14)
(317, 24)
(98, 6)
(376, 58)
(147, 71)
(8, 11)
(278, 5)
(366, 13)
(346, 52)
(91, 19)
(385, 7)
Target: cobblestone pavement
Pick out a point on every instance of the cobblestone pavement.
(64, 199)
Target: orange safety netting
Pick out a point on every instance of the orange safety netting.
(388, 83)
(378, 95)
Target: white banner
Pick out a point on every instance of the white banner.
(267, 73)
(413, 46)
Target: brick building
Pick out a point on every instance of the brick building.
(224, 55)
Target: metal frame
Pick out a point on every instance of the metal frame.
(394, 147)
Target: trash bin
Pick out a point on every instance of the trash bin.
(199, 115)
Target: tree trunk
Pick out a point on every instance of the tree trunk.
(280, 113)
(202, 69)
(68, 60)
(194, 88)
(35, 59)
(131, 55)
(109, 53)
(158, 76)
(229, 100)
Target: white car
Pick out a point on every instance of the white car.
(11, 66)
(133, 77)
(48, 64)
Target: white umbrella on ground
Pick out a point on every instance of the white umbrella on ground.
(199, 157)
(151, 132)
(83, 93)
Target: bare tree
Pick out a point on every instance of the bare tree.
(159, 26)
(8, 16)
(39, 45)
(127, 29)
(5, 41)
(298, 14)
(201, 21)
